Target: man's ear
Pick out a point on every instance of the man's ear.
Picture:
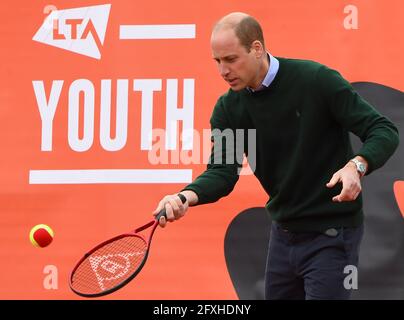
(259, 48)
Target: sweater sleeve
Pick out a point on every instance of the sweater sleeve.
(377, 133)
(221, 175)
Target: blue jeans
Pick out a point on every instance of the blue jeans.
(311, 265)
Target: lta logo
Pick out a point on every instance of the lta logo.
(80, 30)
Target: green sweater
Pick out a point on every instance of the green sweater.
(302, 123)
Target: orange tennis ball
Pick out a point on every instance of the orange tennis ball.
(41, 235)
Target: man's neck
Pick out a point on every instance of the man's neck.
(262, 72)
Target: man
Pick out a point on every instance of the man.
(302, 112)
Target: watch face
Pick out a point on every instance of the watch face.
(361, 167)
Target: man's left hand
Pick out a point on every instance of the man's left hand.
(351, 184)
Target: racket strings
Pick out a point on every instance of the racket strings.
(109, 265)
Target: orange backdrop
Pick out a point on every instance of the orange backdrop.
(187, 258)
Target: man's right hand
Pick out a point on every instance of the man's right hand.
(175, 209)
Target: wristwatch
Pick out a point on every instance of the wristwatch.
(360, 166)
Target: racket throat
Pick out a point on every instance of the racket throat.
(147, 225)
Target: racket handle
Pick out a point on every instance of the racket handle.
(163, 211)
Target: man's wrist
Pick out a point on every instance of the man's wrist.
(360, 164)
(191, 196)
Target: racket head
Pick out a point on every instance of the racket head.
(110, 265)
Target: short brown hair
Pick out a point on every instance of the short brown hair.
(247, 31)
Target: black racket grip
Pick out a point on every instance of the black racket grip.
(162, 213)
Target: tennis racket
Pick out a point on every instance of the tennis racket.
(115, 262)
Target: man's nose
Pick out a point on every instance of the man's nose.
(224, 70)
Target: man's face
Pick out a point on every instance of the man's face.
(238, 67)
